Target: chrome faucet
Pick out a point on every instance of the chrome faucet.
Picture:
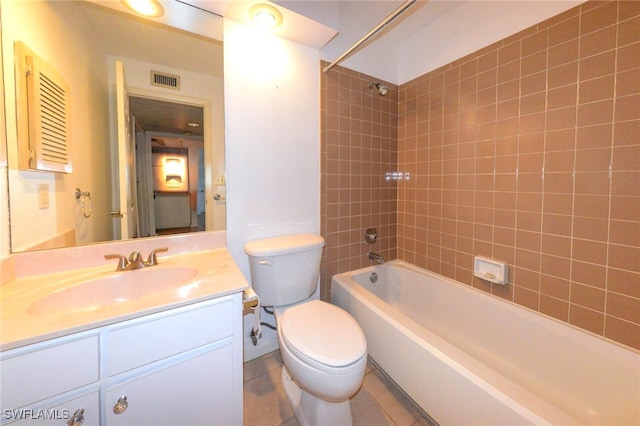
(376, 257)
(135, 260)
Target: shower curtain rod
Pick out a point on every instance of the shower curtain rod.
(371, 33)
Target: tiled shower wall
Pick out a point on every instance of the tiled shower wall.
(528, 151)
(358, 147)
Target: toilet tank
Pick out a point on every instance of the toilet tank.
(285, 269)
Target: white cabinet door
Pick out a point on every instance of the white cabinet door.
(195, 391)
(60, 414)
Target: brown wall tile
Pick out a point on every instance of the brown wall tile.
(624, 307)
(555, 308)
(526, 151)
(557, 181)
(358, 147)
(586, 318)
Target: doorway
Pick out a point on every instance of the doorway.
(170, 166)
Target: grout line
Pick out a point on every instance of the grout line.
(611, 153)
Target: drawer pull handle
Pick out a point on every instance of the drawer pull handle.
(264, 262)
(77, 418)
(121, 405)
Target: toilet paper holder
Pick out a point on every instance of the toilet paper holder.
(250, 299)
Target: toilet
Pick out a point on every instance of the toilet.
(323, 348)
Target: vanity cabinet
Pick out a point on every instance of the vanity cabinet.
(180, 366)
(46, 383)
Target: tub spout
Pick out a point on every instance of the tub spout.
(376, 257)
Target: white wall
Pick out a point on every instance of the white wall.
(88, 131)
(4, 212)
(4, 188)
(272, 114)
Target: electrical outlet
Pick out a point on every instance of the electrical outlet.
(220, 180)
(43, 196)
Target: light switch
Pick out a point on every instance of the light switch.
(43, 196)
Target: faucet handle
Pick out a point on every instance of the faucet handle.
(122, 260)
(135, 256)
(152, 259)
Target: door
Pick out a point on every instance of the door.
(194, 391)
(124, 211)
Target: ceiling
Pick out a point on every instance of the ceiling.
(429, 34)
(363, 15)
(441, 31)
(160, 41)
(153, 115)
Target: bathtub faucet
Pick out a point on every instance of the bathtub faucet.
(376, 257)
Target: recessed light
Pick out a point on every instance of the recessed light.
(149, 8)
(265, 16)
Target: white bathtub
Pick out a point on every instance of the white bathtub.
(469, 358)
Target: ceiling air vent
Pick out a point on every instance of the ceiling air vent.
(162, 79)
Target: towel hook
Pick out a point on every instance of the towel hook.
(82, 196)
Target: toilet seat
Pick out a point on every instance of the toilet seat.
(323, 335)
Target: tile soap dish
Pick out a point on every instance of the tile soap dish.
(490, 270)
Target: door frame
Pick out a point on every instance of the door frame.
(205, 104)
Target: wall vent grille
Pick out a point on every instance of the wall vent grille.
(42, 98)
(53, 121)
(162, 79)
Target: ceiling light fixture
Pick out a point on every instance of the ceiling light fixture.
(149, 8)
(265, 16)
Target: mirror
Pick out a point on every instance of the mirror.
(171, 71)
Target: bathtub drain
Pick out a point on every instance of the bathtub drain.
(374, 277)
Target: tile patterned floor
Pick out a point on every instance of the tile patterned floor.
(379, 401)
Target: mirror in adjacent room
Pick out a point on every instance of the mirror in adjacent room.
(83, 41)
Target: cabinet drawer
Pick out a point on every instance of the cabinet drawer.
(47, 370)
(159, 336)
(60, 414)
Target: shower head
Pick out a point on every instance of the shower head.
(382, 90)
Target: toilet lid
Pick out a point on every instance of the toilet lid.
(323, 333)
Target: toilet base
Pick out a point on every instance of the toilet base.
(313, 411)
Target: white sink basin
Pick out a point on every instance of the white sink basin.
(113, 289)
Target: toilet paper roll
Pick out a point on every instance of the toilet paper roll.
(250, 298)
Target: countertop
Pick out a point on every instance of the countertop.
(19, 325)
